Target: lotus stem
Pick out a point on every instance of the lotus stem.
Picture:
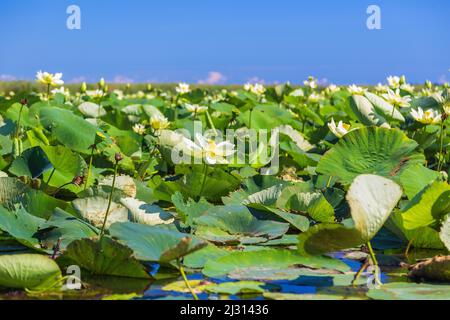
(250, 119)
(50, 177)
(408, 247)
(186, 281)
(205, 171)
(211, 123)
(89, 168)
(375, 262)
(441, 159)
(102, 232)
(360, 271)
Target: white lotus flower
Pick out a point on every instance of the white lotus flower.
(311, 83)
(95, 93)
(297, 93)
(332, 88)
(159, 122)
(394, 98)
(49, 79)
(195, 108)
(381, 88)
(182, 88)
(339, 130)
(315, 97)
(139, 129)
(212, 152)
(256, 88)
(354, 89)
(426, 117)
(407, 87)
(64, 91)
(393, 82)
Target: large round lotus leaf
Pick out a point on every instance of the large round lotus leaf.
(428, 207)
(370, 150)
(236, 223)
(104, 257)
(414, 178)
(93, 210)
(371, 199)
(28, 271)
(152, 111)
(423, 237)
(366, 112)
(67, 165)
(410, 291)
(445, 232)
(38, 203)
(275, 259)
(123, 182)
(32, 163)
(65, 228)
(197, 259)
(384, 108)
(144, 213)
(72, 131)
(151, 243)
(91, 110)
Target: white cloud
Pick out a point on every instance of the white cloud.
(122, 79)
(214, 77)
(7, 77)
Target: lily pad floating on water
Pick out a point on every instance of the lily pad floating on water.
(275, 259)
(143, 213)
(294, 296)
(93, 210)
(151, 243)
(28, 271)
(410, 291)
(371, 199)
(228, 224)
(103, 257)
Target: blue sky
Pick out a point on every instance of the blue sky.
(226, 41)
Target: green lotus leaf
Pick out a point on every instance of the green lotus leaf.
(91, 110)
(22, 226)
(151, 243)
(237, 222)
(93, 210)
(445, 232)
(103, 257)
(370, 150)
(31, 163)
(69, 129)
(415, 178)
(384, 108)
(297, 221)
(190, 210)
(366, 112)
(67, 165)
(198, 259)
(13, 192)
(67, 228)
(371, 199)
(275, 259)
(428, 207)
(140, 212)
(410, 291)
(239, 287)
(28, 271)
